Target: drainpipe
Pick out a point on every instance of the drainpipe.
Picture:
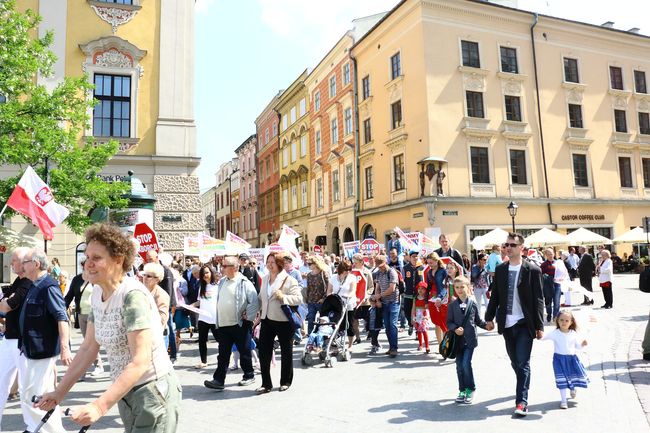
(539, 119)
(357, 148)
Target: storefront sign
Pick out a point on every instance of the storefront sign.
(584, 217)
(172, 218)
(449, 213)
(418, 215)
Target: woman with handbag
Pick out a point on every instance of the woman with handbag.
(278, 288)
(435, 276)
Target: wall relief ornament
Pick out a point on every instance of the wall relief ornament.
(113, 59)
(574, 97)
(114, 16)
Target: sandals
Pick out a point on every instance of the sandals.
(200, 365)
(284, 388)
(262, 390)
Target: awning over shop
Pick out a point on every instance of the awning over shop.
(496, 236)
(634, 236)
(546, 238)
(582, 236)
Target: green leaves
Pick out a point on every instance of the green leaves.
(39, 127)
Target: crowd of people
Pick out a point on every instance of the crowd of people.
(137, 313)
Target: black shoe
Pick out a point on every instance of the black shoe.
(213, 384)
(646, 356)
(357, 341)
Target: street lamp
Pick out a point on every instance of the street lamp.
(512, 210)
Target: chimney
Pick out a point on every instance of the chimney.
(635, 30)
(608, 24)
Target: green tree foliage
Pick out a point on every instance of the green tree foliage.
(42, 128)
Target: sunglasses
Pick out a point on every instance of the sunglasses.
(510, 245)
(149, 276)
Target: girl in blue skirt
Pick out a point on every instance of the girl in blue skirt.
(569, 371)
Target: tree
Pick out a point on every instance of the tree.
(43, 128)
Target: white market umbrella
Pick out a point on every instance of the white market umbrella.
(545, 238)
(496, 236)
(634, 236)
(582, 236)
(11, 239)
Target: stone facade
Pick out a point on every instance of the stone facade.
(177, 212)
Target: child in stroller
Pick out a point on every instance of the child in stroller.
(324, 329)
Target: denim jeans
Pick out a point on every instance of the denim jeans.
(519, 344)
(312, 309)
(172, 339)
(555, 301)
(464, 368)
(481, 299)
(390, 314)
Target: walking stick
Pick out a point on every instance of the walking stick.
(46, 417)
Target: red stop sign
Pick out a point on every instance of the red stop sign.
(147, 238)
(369, 247)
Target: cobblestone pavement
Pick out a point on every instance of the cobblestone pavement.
(415, 392)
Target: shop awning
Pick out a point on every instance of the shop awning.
(634, 236)
(496, 236)
(582, 236)
(546, 238)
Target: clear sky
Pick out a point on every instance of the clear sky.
(247, 50)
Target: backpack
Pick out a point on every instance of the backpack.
(644, 280)
(401, 285)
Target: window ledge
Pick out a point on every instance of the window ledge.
(642, 96)
(629, 192)
(619, 92)
(126, 143)
(482, 190)
(623, 141)
(511, 76)
(583, 192)
(398, 196)
(515, 130)
(101, 4)
(473, 71)
(366, 101)
(574, 86)
(643, 139)
(518, 190)
(393, 82)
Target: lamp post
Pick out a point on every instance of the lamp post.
(512, 210)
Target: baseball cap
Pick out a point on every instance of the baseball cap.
(244, 256)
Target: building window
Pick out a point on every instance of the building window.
(580, 177)
(316, 101)
(398, 172)
(268, 167)
(285, 157)
(293, 114)
(625, 171)
(319, 192)
(303, 107)
(346, 74)
(303, 193)
(112, 114)
(571, 70)
(332, 86)
(318, 145)
(644, 123)
(347, 126)
(266, 136)
(513, 108)
(120, 2)
(285, 200)
(284, 122)
(367, 131)
(349, 181)
(480, 165)
(336, 196)
(575, 116)
(303, 145)
(616, 77)
(475, 104)
(396, 114)
(509, 60)
(518, 167)
(294, 197)
(620, 122)
(369, 190)
(470, 54)
(395, 66)
(639, 82)
(335, 130)
(275, 129)
(645, 163)
(294, 151)
(365, 87)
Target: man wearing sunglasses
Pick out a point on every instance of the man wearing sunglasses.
(517, 303)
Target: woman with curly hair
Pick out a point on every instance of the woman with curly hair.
(124, 320)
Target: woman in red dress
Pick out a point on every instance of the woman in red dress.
(435, 276)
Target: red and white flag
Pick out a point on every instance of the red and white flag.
(33, 198)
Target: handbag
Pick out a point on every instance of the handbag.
(448, 347)
(292, 313)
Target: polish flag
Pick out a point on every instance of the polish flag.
(33, 198)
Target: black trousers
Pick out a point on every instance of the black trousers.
(204, 329)
(241, 337)
(607, 293)
(585, 281)
(269, 329)
(408, 309)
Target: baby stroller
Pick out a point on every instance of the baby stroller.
(335, 346)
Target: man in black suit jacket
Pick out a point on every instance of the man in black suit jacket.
(446, 250)
(586, 269)
(517, 303)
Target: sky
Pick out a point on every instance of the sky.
(248, 50)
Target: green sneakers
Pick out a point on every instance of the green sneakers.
(461, 397)
(469, 396)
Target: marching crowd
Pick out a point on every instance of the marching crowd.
(136, 313)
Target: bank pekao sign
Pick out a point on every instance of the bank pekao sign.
(583, 217)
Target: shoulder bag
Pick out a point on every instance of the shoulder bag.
(450, 343)
(294, 317)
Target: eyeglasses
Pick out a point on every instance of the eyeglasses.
(149, 276)
(510, 245)
(226, 266)
(28, 261)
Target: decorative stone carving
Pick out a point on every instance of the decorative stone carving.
(583, 192)
(511, 87)
(620, 102)
(177, 202)
(574, 96)
(474, 139)
(473, 82)
(176, 184)
(114, 16)
(113, 59)
(644, 105)
(482, 190)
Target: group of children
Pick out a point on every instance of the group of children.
(569, 372)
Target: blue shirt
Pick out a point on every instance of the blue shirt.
(493, 261)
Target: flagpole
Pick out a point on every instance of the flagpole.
(3, 210)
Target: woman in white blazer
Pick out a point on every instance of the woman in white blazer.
(278, 288)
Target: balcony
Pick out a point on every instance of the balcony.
(476, 127)
(514, 130)
(577, 138)
(521, 190)
(482, 190)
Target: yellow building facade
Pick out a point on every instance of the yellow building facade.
(468, 112)
(294, 157)
(127, 50)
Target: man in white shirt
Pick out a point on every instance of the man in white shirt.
(237, 305)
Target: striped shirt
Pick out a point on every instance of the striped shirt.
(384, 280)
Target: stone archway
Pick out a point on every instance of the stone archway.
(336, 241)
(347, 235)
(368, 232)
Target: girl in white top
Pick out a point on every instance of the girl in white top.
(207, 303)
(605, 273)
(344, 284)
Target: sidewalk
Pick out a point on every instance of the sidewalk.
(415, 392)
